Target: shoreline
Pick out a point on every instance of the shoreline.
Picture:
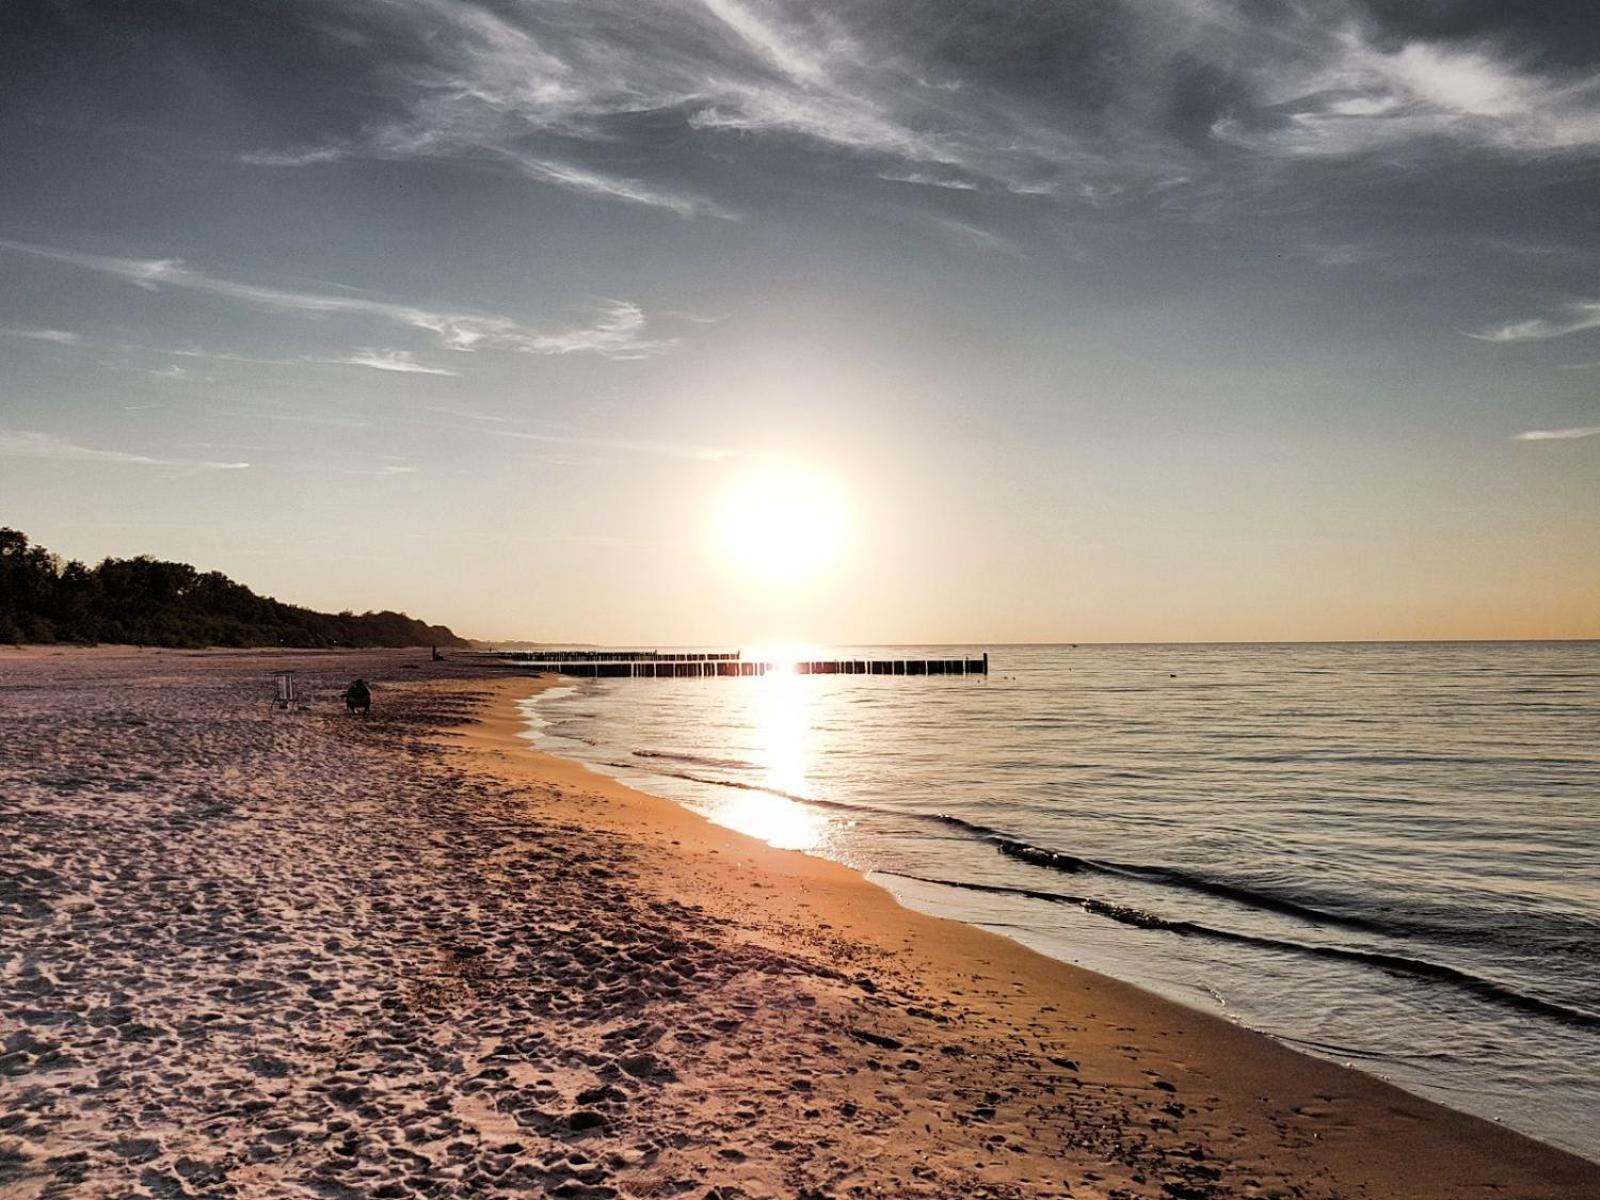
(1431, 1149)
(409, 956)
(1393, 1015)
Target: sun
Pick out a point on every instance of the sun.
(783, 523)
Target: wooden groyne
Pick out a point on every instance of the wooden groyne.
(580, 656)
(651, 664)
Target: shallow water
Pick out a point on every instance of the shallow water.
(1388, 855)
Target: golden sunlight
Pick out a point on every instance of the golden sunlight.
(781, 713)
(783, 523)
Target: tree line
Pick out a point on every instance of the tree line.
(145, 601)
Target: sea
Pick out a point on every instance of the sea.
(1386, 855)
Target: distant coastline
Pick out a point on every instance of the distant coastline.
(145, 601)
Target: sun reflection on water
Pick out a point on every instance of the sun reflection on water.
(780, 709)
(782, 703)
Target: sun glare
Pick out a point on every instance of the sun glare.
(783, 524)
(781, 711)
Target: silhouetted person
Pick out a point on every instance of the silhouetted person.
(358, 697)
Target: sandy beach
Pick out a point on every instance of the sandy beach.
(250, 953)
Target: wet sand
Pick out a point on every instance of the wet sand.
(258, 954)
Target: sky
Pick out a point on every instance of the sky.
(1131, 320)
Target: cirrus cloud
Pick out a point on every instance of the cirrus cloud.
(1557, 435)
(1579, 317)
(617, 330)
(27, 444)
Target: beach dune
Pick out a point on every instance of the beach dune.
(250, 953)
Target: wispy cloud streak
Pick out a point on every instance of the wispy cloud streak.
(1331, 83)
(24, 444)
(402, 361)
(1157, 96)
(1580, 318)
(1557, 435)
(555, 88)
(590, 182)
(60, 337)
(617, 331)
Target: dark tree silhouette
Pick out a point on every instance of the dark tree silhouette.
(149, 602)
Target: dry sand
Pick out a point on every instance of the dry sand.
(257, 954)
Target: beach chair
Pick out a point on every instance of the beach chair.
(288, 698)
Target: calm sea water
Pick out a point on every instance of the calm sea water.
(1386, 855)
